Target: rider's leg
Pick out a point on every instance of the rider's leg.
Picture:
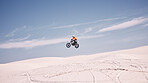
(75, 41)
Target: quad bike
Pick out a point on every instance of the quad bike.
(73, 43)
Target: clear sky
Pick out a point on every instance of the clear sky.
(41, 28)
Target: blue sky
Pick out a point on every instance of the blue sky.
(41, 28)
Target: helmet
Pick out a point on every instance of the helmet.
(73, 36)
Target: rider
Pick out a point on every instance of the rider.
(74, 39)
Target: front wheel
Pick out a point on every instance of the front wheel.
(77, 46)
(68, 45)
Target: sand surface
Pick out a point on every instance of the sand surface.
(124, 66)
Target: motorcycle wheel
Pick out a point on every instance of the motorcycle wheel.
(77, 46)
(68, 45)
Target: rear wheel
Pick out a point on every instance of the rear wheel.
(68, 45)
(77, 46)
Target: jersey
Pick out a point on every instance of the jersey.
(74, 38)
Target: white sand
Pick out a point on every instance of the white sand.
(125, 66)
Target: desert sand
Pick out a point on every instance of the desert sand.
(123, 66)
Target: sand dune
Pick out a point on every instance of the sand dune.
(124, 66)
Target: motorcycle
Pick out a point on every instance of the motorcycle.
(73, 43)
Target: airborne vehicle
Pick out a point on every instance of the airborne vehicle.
(73, 42)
